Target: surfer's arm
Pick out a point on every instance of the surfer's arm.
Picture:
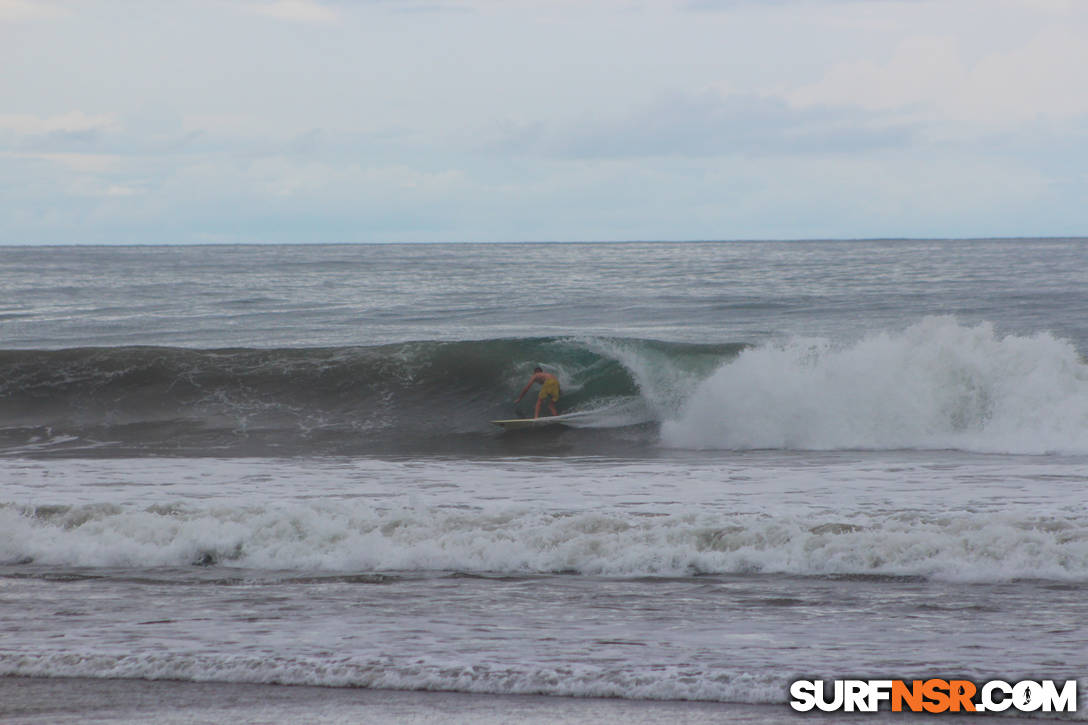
(526, 388)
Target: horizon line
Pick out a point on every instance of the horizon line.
(754, 240)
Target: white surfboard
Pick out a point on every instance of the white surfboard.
(542, 422)
(522, 423)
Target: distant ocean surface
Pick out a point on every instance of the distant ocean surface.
(793, 460)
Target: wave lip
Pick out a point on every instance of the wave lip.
(936, 385)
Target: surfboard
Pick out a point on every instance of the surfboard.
(576, 419)
(523, 423)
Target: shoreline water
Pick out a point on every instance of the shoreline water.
(33, 700)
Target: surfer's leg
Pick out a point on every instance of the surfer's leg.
(536, 411)
(551, 405)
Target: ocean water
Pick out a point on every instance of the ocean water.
(796, 460)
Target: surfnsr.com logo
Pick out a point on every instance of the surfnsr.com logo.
(934, 695)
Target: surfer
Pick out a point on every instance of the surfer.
(549, 388)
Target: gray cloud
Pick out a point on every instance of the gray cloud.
(75, 140)
(711, 124)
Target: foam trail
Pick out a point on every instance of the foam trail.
(936, 385)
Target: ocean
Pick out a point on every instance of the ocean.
(273, 465)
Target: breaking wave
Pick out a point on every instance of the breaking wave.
(936, 385)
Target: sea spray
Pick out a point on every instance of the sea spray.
(938, 384)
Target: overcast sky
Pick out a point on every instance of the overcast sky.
(150, 121)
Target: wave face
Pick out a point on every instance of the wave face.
(408, 397)
(936, 385)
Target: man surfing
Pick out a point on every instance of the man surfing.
(549, 388)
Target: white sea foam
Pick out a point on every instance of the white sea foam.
(956, 546)
(937, 385)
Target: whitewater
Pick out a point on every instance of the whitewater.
(791, 460)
